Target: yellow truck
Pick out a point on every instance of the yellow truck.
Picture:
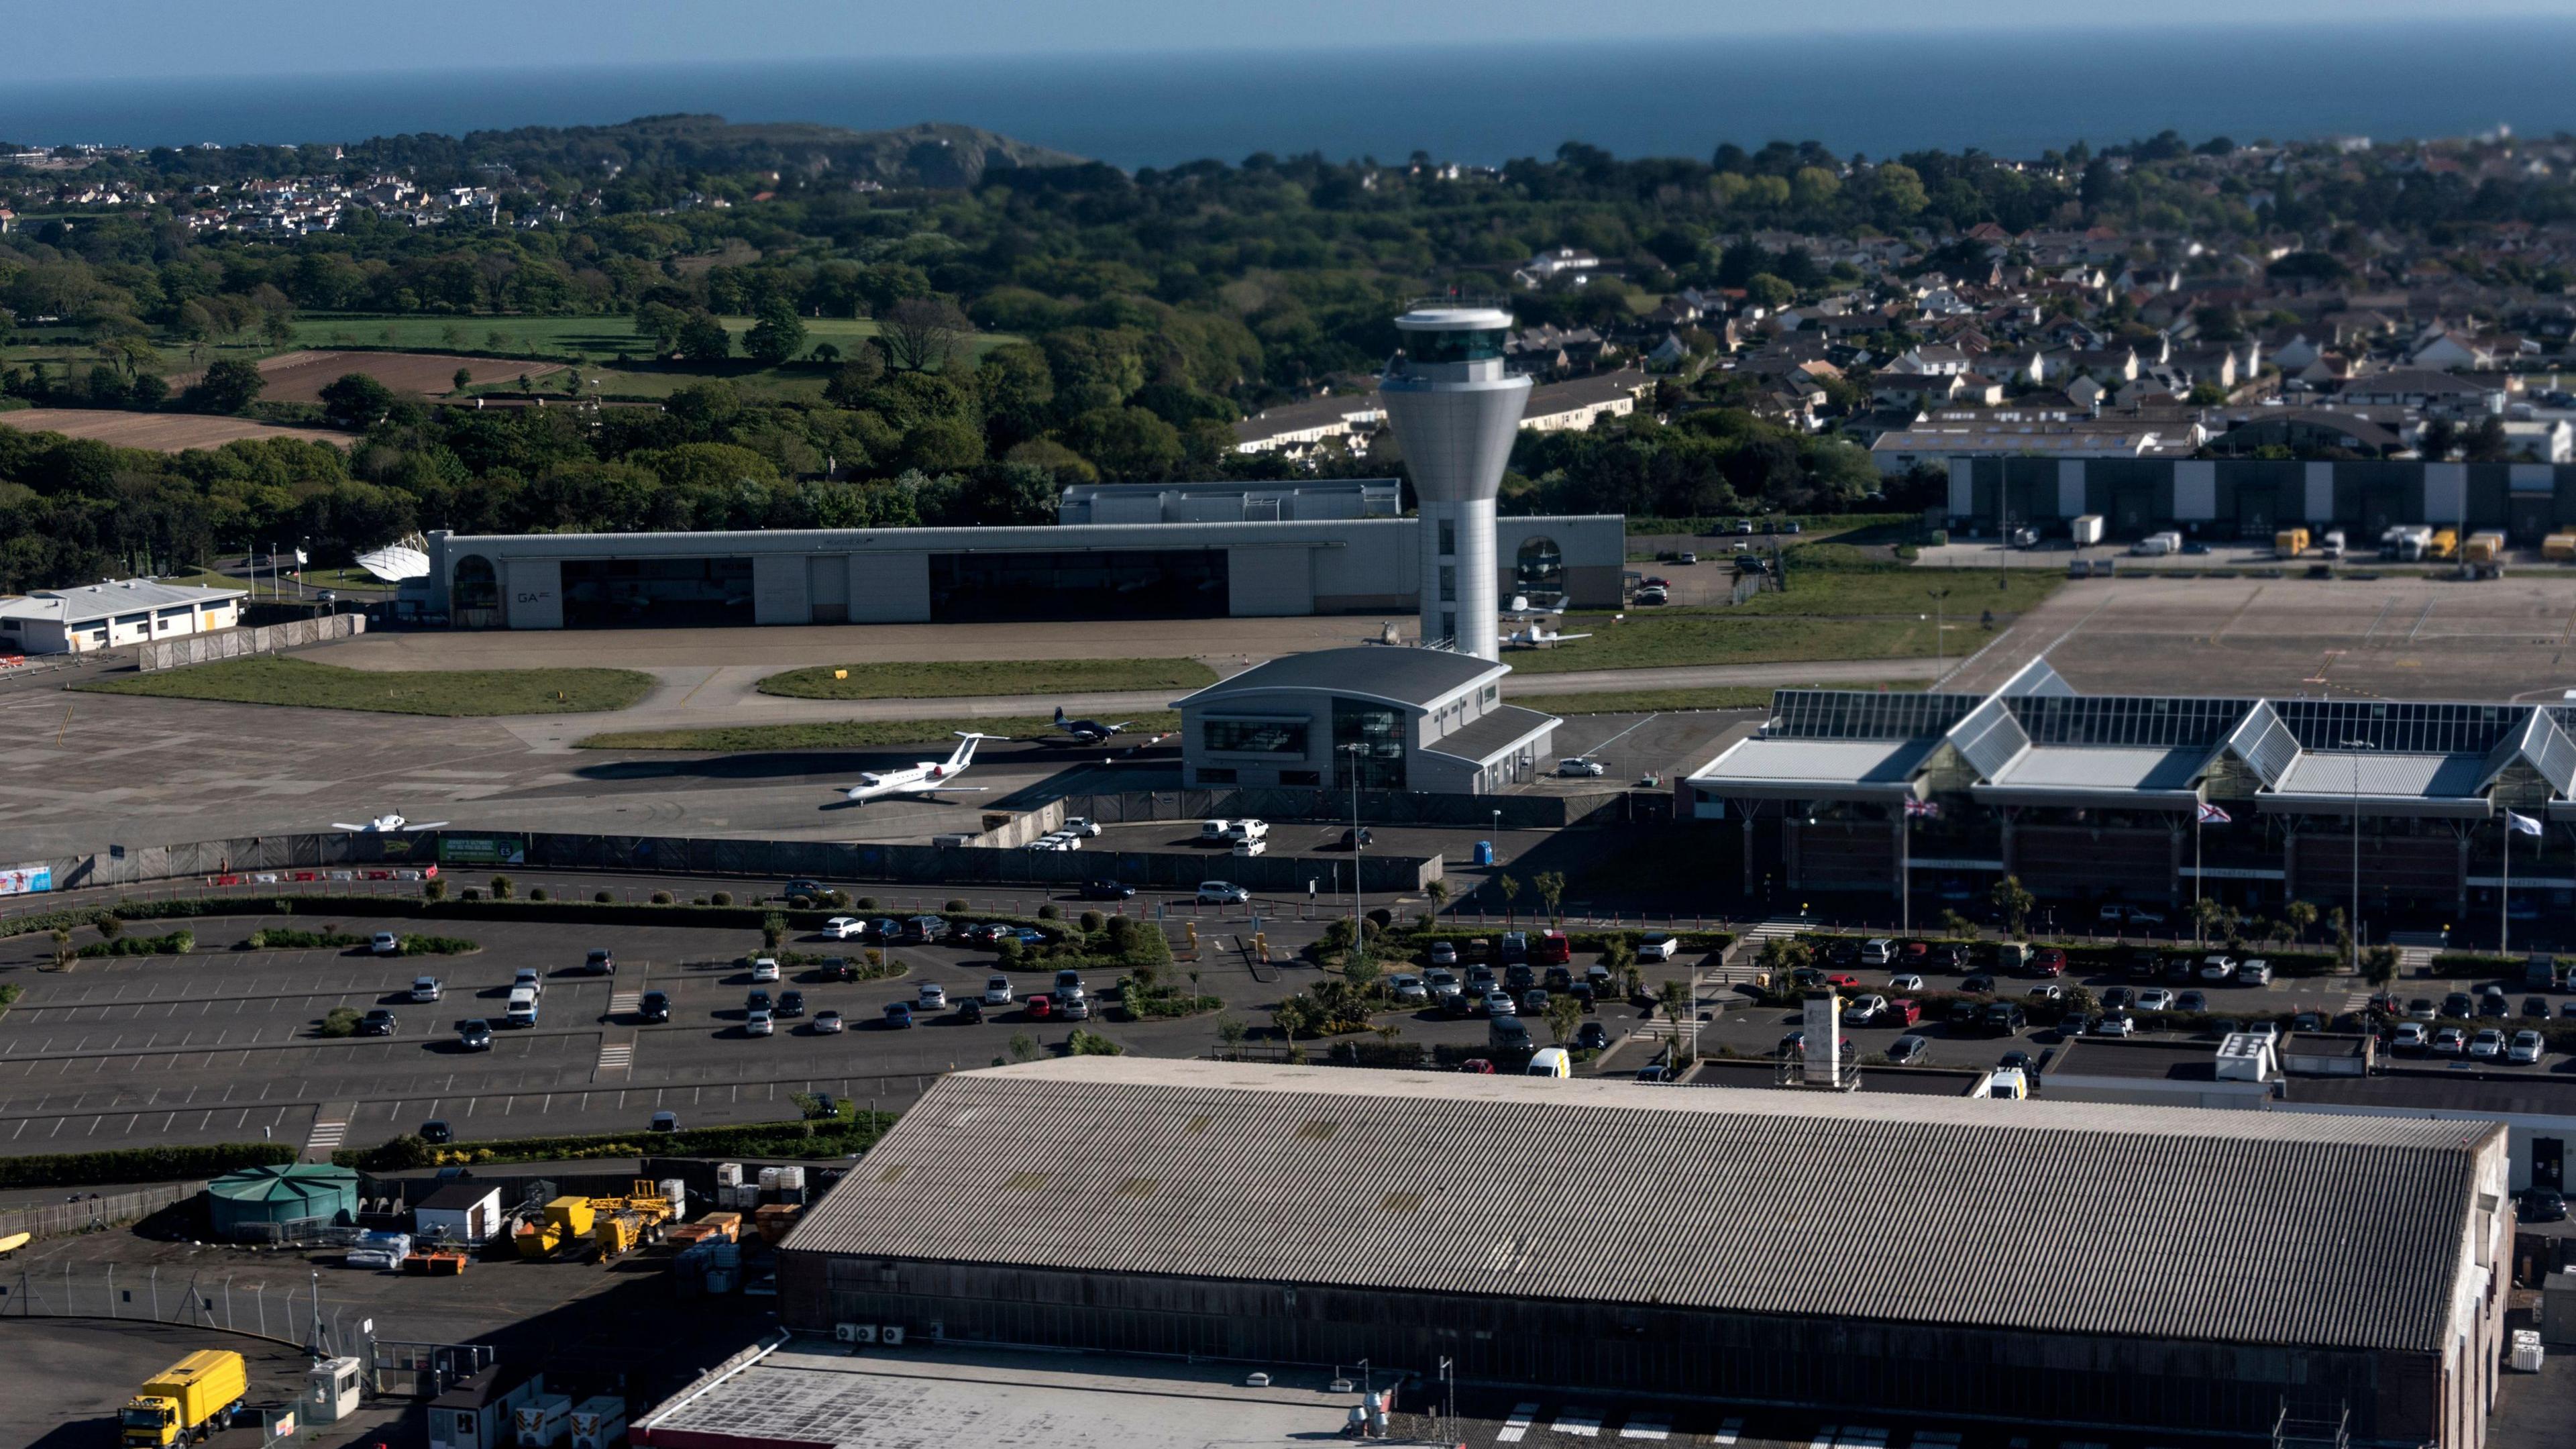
(2559, 547)
(2445, 544)
(189, 1400)
(2485, 547)
(2290, 543)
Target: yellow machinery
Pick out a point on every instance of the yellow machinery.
(2559, 548)
(2485, 547)
(2290, 542)
(189, 1400)
(621, 1224)
(537, 1238)
(2445, 544)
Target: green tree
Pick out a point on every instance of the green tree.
(229, 386)
(1550, 885)
(2301, 915)
(1564, 1017)
(1770, 291)
(922, 333)
(357, 400)
(777, 335)
(2381, 967)
(702, 338)
(463, 379)
(1678, 1008)
(1511, 890)
(2014, 901)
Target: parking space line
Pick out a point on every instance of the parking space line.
(1728, 1432)
(1647, 1426)
(1580, 1420)
(1518, 1425)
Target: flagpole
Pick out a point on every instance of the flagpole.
(1905, 869)
(2196, 808)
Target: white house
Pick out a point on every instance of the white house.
(1571, 265)
(106, 615)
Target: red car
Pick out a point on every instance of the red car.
(1903, 1011)
(1916, 953)
(1040, 1007)
(1477, 1065)
(1843, 981)
(2049, 961)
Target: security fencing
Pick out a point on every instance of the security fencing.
(287, 1302)
(85, 1212)
(236, 643)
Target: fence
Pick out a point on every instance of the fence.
(282, 1307)
(234, 643)
(342, 856)
(83, 1212)
(1376, 807)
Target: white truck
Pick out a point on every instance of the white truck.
(1243, 831)
(2407, 543)
(2085, 529)
(2157, 545)
(2332, 544)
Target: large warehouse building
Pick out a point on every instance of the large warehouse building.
(1243, 568)
(2228, 498)
(2139, 1269)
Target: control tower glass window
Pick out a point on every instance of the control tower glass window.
(1378, 733)
(1478, 345)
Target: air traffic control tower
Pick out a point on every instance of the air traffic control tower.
(1455, 412)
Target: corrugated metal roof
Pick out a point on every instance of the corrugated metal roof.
(2075, 767)
(1418, 677)
(1889, 763)
(2383, 775)
(2250, 1227)
(1489, 734)
(106, 601)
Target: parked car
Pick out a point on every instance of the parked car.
(791, 1003)
(802, 888)
(1442, 983)
(828, 1022)
(2535, 1006)
(1575, 767)
(2190, 1001)
(757, 1001)
(1076, 1009)
(2308, 1021)
(1659, 948)
(385, 943)
(843, 928)
(2254, 973)
(2115, 1024)
(1222, 893)
(2525, 1048)
(2118, 998)
(2155, 998)
(1037, 1007)
(1409, 989)
(378, 1022)
(1499, 1002)
(764, 968)
(2217, 968)
(1908, 1049)
(1979, 985)
(1902, 1011)
(1444, 952)
(2450, 1041)
(2412, 1037)
(1107, 890)
(474, 1035)
(436, 1132)
(970, 1011)
(425, 989)
(664, 1122)
(1905, 981)
(1533, 1002)
(934, 997)
(2542, 1205)
(2046, 991)
(529, 981)
(2459, 1005)
(653, 1006)
(898, 1015)
(2423, 1009)
(1068, 987)
(2264, 1028)
(2487, 1045)
(760, 1023)
(2048, 961)
(1593, 1037)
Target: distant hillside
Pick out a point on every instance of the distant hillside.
(933, 154)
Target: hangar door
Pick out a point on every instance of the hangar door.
(1095, 584)
(1270, 583)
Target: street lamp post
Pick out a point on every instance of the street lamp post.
(1358, 924)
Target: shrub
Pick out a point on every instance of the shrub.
(413, 945)
(661, 898)
(502, 886)
(1092, 922)
(433, 890)
(773, 929)
(1049, 912)
(1009, 951)
(865, 903)
(177, 943)
(341, 1021)
(602, 897)
(1091, 1044)
(956, 907)
(538, 894)
(110, 927)
(722, 898)
(472, 894)
(828, 1137)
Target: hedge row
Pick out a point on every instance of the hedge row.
(139, 1164)
(177, 943)
(839, 1137)
(2108, 958)
(1597, 940)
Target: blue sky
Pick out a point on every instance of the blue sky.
(140, 39)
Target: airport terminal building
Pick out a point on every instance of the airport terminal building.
(1367, 718)
(1245, 566)
(2136, 798)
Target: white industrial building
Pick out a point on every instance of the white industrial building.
(116, 612)
(1370, 718)
(1240, 569)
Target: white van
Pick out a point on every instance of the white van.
(1251, 847)
(1242, 830)
(522, 1010)
(1881, 952)
(1216, 830)
(1553, 1062)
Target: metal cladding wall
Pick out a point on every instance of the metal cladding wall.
(1835, 1363)
(2249, 497)
(233, 643)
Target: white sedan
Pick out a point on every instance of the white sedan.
(843, 928)
(1659, 948)
(2525, 1049)
(1905, 981)
(2155, 998)
(764, 969)
(1575, 767)
(1863, 1010)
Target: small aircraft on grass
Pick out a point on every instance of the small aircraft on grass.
(387, 825)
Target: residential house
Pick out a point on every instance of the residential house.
(1299, 429)
(1577, 405)
(1569, 266)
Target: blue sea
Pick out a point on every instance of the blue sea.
(2009, 93)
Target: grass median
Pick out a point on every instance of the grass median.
(969, 678)
(861, 734)
(455, 693)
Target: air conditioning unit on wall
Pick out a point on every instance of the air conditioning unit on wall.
(891, 1334)
(858, 1332)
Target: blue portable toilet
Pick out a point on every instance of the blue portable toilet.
(1484, 852)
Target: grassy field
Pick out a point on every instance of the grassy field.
(272, 679)
(967, 678)
(1667, 701)
(854, 734)
(1838, 606)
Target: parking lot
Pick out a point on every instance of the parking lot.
(223, 1044)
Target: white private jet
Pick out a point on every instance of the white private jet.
(387, 825)
(1537, 636)
(1088, 731)
(925, 778)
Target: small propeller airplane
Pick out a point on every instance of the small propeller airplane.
(928, 777)
(1088, 731)
(1538, 636)
(1533, 631)
(387, 825)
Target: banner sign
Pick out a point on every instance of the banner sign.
(21, 880)
(483, 849)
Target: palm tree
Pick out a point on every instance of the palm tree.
(1551, 891)
(1511, 890)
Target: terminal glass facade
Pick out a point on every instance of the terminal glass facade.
(1368, 743)
(1254, 736)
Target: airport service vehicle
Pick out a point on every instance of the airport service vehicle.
(188, 1401)
(925, 778)
(2157, 545)
(1215, 830)
(386, 825)
(1089, 731)
(2085, 529)
(1552, 1062)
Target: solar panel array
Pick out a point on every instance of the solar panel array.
(2145, 720)
(1852, 714)
(2430, 729)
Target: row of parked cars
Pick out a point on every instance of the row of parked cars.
(2523, 1049)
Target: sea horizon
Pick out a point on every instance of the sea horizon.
(2009, 93)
